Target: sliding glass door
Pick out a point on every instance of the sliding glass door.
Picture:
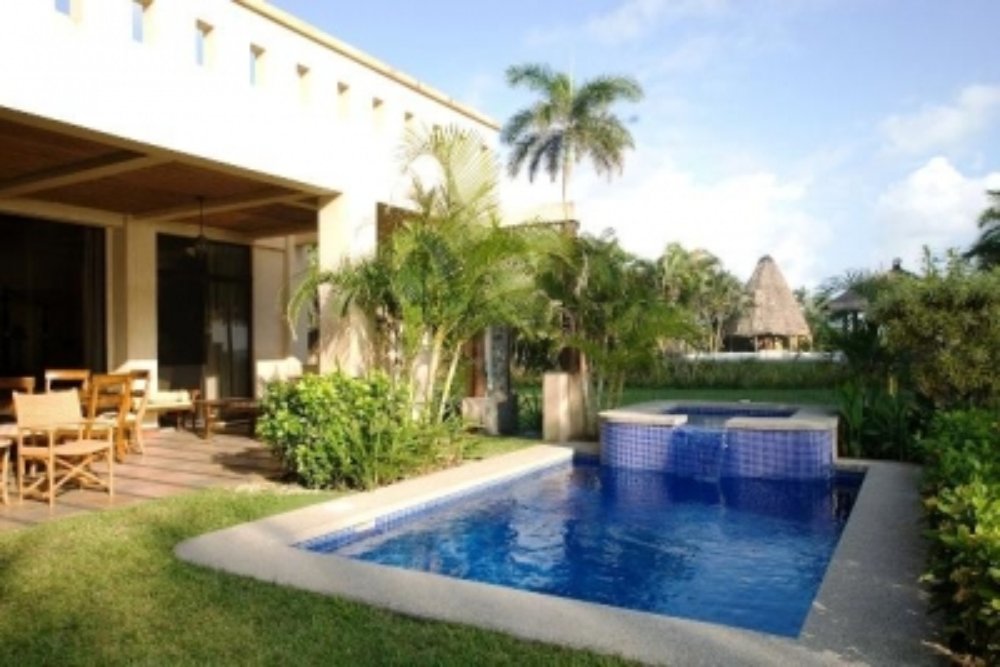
(204, 316)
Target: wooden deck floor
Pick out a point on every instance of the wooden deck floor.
(175, 462)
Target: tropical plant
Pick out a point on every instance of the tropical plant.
(962, 488)
(986, 249)
(696, 280)
(567, 124)
(612, 309)
(448, 272)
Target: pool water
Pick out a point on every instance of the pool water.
(716, 416)
(745, 553)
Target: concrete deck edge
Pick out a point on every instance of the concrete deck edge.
(804, 418)
(868, 611)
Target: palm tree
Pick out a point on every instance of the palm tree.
(568, 124)
(618, 314)
(986, 249)
(696, 281)
(446, 274)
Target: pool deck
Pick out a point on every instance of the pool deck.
(869, 609)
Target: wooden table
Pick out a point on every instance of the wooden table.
(212, 410)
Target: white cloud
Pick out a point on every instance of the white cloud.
(936, 205)
(629, 20)
(738, 218)
(692, 55)
(944, 127)
(634, 18)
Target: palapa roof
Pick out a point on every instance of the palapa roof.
(848, 301)
(773, 310)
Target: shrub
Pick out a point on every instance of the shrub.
(964, 566)
(877, 424)
(944, 331)
(961, 445)
(334, 430)
(962, 481)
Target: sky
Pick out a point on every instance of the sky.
(834, 135)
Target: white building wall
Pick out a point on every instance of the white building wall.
(88, 71)
(333, 134)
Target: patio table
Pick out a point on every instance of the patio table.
(212, 410)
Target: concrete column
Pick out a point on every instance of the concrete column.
(296, 264)
(563, 415)
(132, 291)
(347, 231)
(556, 422)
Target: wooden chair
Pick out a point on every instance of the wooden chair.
(5, 444)
(25, 385)
(49, 418)
(139, 398)
(108, 406)
(67, 378)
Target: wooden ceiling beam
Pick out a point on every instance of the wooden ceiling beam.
(111, 164)
(221, 205)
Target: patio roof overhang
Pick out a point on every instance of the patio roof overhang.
(56, 170)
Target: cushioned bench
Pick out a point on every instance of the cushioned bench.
(180, 403)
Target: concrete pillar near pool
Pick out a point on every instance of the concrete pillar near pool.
(563, 416)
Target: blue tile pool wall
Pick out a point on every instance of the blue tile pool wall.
(714, 453)
(778, 454)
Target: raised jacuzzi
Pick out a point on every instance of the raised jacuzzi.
(715, 440)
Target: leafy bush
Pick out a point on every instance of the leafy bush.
(961, 445)
(334, 430)
(962, 477)
(964, 570)
(875, 423)
(944, 333)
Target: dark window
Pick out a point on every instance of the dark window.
(52, 296)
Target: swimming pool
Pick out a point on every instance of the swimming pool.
(741, 552)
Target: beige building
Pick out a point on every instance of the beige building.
(164, 165)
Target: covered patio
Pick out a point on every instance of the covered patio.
(175, 462)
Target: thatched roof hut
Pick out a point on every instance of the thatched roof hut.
(774, 319)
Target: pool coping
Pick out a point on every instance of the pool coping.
(802, 418)
(869, 609)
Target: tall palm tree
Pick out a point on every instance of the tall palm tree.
(986, 249)
(568, 123)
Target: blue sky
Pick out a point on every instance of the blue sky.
(831, 134)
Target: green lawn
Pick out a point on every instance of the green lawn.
(485, 446)
(106, 589)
